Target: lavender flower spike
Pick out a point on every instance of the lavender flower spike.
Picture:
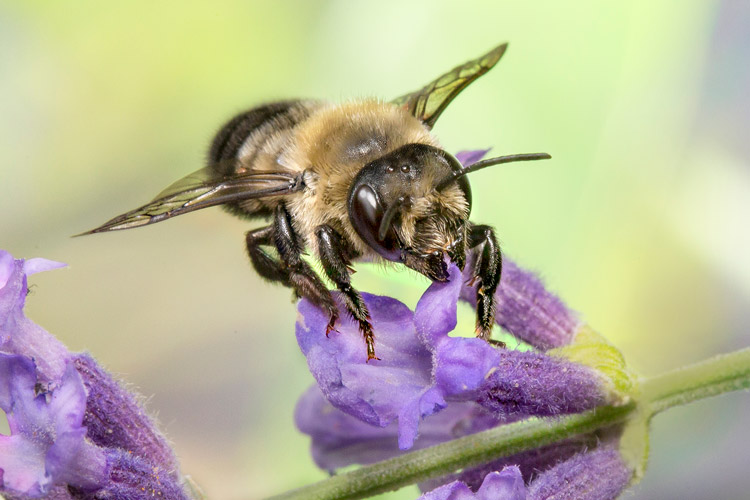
(75, 431)
(113, 416)
(115, 419)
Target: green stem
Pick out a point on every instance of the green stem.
(721, 374)
(448, 457)
(714, 376)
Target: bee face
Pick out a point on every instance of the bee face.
(393, 204)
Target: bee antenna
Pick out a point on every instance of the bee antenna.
(389, 215)
(488, 163)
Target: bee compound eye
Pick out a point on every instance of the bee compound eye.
(366, 214)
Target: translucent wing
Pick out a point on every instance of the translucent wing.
(199, 190)
(428, 102)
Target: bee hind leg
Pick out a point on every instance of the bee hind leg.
(487, 270)
(335, 256)
(289, 269)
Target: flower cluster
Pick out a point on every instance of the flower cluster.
(430, 387)
(75, 432)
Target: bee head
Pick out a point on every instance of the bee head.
(395, 204)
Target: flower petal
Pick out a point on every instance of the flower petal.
(380, 391)
(435, 314)
(506, 484)
(6, 267)
(22, 465)
(503, 485)
(340, 440)
(471, 156)
(38, 265)
(18, 334)
(530, 462)
(452, 491)
(47, 445)
(461, 364)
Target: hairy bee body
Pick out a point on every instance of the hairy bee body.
(328, 144)
(362, 180)
(254, 141)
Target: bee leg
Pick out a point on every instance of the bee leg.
(265, 265)
(431, 265)
(487, 270)
(289, 269)
(457, 250)
(335, 257)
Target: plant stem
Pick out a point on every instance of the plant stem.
(448, 457)
(715, 376)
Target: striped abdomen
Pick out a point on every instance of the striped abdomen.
(254, 141)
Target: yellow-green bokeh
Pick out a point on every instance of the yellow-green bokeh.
(639, 221)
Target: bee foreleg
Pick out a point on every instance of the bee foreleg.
(487, 271)
(299, 275)
(431, 265)
(334, 255)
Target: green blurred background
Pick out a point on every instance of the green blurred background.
(639, 221)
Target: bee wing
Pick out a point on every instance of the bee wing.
(199, 190)
(428, 102)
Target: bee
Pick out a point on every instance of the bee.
(363, 180)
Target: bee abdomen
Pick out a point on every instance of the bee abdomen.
(248, 132)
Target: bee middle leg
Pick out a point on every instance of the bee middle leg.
(487, 270)
(289, 269)
(267, 266)
(335, 256)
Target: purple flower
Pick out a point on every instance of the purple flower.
(340, 439)
(504, 485)
(422, 368)
(18, 334)
(47, 445)
(131, 477)
(593, 475)
(115, 419)
(429, 387)
(599, 474)
(75, 431)
(471, 156)
(571, 469)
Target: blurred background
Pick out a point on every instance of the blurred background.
(640, 221)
